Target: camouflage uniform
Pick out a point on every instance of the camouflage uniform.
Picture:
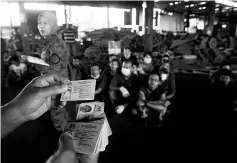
(56, 55)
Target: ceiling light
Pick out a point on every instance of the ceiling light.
(192, 5)
(171, 4)
(224, 26)
(186, 0)
(192, 15)
(176, 3)
(170, 13)
(216, 9)
(204, 8)
(217, 5)
(235, 9)
(202, 3)
(185, 20)
(186, 6)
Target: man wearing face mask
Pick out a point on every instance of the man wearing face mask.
(167, 80)
(100, 80)
(127, 55)
(149, 67)
(124, 88)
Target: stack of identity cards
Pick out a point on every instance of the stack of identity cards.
(91, 129)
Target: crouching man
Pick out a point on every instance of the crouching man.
(152, 103)
(124, 89)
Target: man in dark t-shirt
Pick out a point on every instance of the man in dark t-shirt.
(127, 55)
(152, 101)
(101, 81)
(123, 88)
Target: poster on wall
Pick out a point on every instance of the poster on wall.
(114, 47)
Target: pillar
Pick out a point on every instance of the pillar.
(149, 26)
(24, 28)
(211, 14)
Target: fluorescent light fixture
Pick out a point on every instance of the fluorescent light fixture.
(176, 3)
(227, 2)
(171, 4)
(192, 5)
(224, 26)
(204, 8)
(156, 0)
(202, 3)
(235, 9)
(170, 13)
(217, 5)
(216, 9)
(186, 0)
(186, 6)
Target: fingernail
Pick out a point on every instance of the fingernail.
(65, 87)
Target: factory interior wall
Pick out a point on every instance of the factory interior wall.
(172, 23)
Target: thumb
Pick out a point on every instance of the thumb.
(65, 157)
(53, 90)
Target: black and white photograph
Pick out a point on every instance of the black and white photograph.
(118, 81)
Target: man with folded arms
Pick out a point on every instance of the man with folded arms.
(124, 88)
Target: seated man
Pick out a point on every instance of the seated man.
(215, 77)
(101, 81)
(127, 55)
(167, 80)
(74, 68)
(123, 88)
(17, 70)
(152, 101)
(112, 70)
(223, 99)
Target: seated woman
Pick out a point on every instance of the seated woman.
(152, 103)
(17, 71)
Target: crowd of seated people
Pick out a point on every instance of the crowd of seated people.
(128, 82)
(15, 69)
(130, 85)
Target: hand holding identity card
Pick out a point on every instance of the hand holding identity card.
(80, 90)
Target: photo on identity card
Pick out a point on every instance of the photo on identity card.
(89, 110)
(80, 90)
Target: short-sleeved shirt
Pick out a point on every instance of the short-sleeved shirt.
(152, 95)
(19, 70)
(169, 85)
(100, 82)
(131, 84)
(132, 58)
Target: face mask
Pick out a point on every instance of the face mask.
(209, 33)
(147, 60)
(126, 72)
(96, 77)
(164, 77)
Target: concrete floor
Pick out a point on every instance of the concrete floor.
(185, 136)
